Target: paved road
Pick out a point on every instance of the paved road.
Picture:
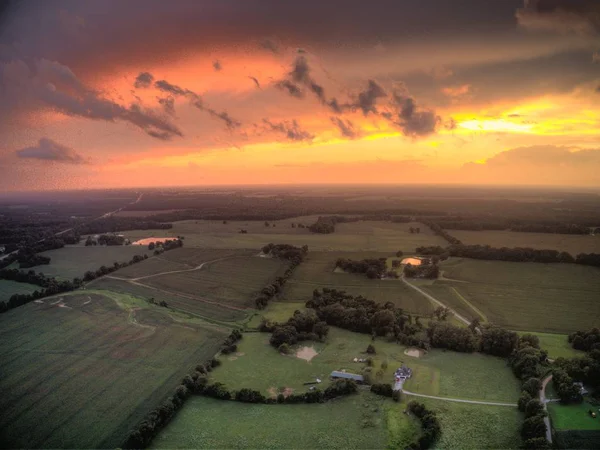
(436, 301)
(544, 401)
(459, 400)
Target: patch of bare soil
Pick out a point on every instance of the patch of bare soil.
(414, 352)
(239, 353)
(232, 358)
(274, 392)
(306, 353)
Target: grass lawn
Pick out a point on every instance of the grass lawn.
(358, 421)
(552, 298)
(317, 272)
(557, 345)
(572, 244)
(73, 261)
(467, 426)
(9, 288)
(80, 370)
(447, 374)
(359, 236)
(574, 417)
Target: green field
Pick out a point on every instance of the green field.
(9, 288)
(570, 243)
(208, 309)
(179, 259)
(467, 426)
(358, 421)
(557, 346)
(447, 374)
(552, 298)
(317, 272)
(73, 261)
(80, 370)
(234, 281)
(355, 236)
(574, 417)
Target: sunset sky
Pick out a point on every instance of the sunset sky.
(124, 93)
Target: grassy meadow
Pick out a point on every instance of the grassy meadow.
(9, 288)
(80, 370)
(551, 298)
(557, 345)
(73, 261)
(358, 421)
(447, 374)
(356, 236)
(570, 243)
(468, 426)
(574, 417)
(317, 272)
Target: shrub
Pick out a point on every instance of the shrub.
(371, 349)
(383, 389)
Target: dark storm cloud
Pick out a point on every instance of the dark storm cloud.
(217, 65)
(52, 85)
(290, 129)
(197, 101)
(368, 98)
(300, 70)
(412, 120)
(580, 16)
(291, 88)
(143, 80)
(48, 150)
(346, 127)
(168, 104)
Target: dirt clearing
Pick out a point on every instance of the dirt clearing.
(414, 352)
(306, 353)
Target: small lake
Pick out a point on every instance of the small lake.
(147, 241)
(412, 261)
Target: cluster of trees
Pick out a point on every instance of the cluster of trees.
(588, 259)
(323, 225)
(39, 279)
(585, 340)
(169, 244)
(230, 344)
(424, 270)
(373, 268)
(286, 251)
(529, 363)
(295, 255)
(302, 326)
(383, 389)
(52, 287)
(105, 270)
(433, 250)
(562, 228)
(27, 259)
(518, 254)
(109, 239)
(564, 385)
(431, 429)
(438, 230)
(445, 335)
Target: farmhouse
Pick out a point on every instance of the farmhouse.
(348, 376)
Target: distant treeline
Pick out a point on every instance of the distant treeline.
(295, 255)
(518, 254)
(481, 224)
(113, 224)
(439, 231)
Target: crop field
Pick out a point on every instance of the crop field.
(570, 243)
(552, 298)
(317, 272)
(233, 281)
(574, 417)
(178, 259)
(80, 370)
(350, 422)
(468, 426)
(73, 261)
(557, 346)
(210, 310)
(355, 236)
(447, 374)
(9, 287)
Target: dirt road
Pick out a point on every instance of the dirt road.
(544, 401)
(459, 400)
